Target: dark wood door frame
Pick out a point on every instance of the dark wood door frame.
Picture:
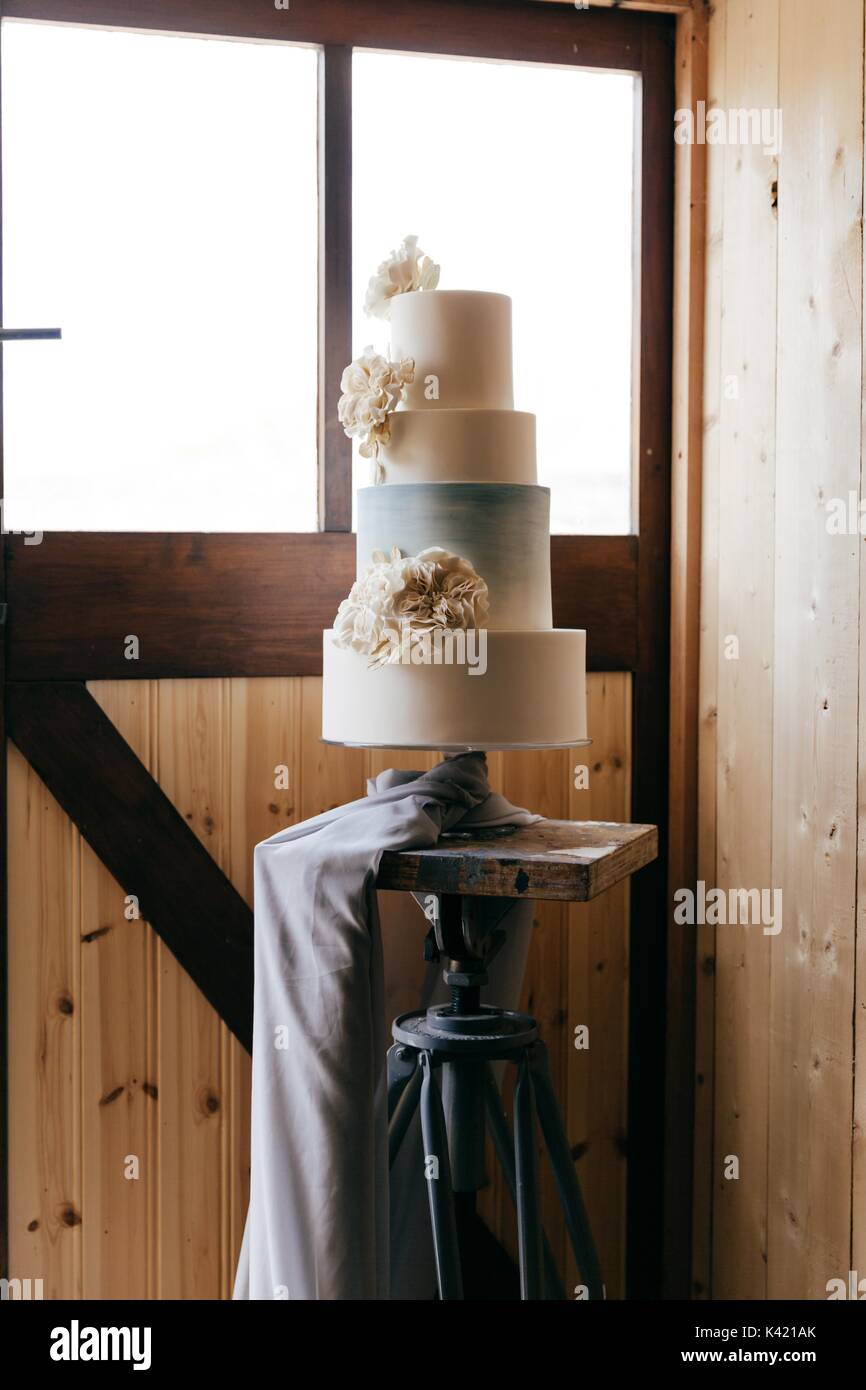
(651, 1231)
(63, 596)
(247, 605)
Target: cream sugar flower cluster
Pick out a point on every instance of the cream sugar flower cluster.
(429, 592)
(407, 268)
(372, 386)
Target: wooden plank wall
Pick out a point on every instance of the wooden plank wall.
(708, 661)
(129, 1100)
(779, 744)
(682, 1060)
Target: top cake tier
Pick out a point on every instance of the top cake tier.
(462, 338)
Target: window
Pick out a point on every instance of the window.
(160, 207)
(517, 178)
(175, 244)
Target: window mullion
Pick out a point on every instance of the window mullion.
(335, 281)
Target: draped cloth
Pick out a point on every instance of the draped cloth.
(324, 1222)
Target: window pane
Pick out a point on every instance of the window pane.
(517, 178)
(159, 199)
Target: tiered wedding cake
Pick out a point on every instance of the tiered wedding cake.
(446, 640)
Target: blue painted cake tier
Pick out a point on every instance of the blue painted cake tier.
(502, 529)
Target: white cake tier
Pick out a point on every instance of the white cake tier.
(502, 529)
(531, 695)
(460, 341)
(460, 446)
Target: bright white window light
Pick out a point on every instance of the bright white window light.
(517, 178)
(160, 206)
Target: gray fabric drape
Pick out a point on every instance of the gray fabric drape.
(322, 1222)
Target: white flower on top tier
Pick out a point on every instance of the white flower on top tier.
(372, 389)
(407, 268)
(431, 591)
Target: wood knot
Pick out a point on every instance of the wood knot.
(209, 1102)
(70, 1217)
(95, 935)
(112, 1095)
(65, 1005)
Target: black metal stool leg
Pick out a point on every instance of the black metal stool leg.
(403, 1116)
(570, 1196)
(401, 1065)
(528, 1219)
(404, 1088)
(503, 1145)
(442, 1219)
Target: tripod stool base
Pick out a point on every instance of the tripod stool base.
(463, 1046)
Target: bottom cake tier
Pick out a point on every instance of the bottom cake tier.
(531, 694)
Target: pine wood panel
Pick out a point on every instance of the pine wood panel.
(45, 1178)
(744, 795)
(142, 1066)
(778, 792)
(265, 751)
(329, 776)
(119, 1079)
(816, 646)
(192, 768)
(140, 836)
(702, 1202)
(597, 966)
(686, 463)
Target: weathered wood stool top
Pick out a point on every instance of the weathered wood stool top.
(571, 860)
